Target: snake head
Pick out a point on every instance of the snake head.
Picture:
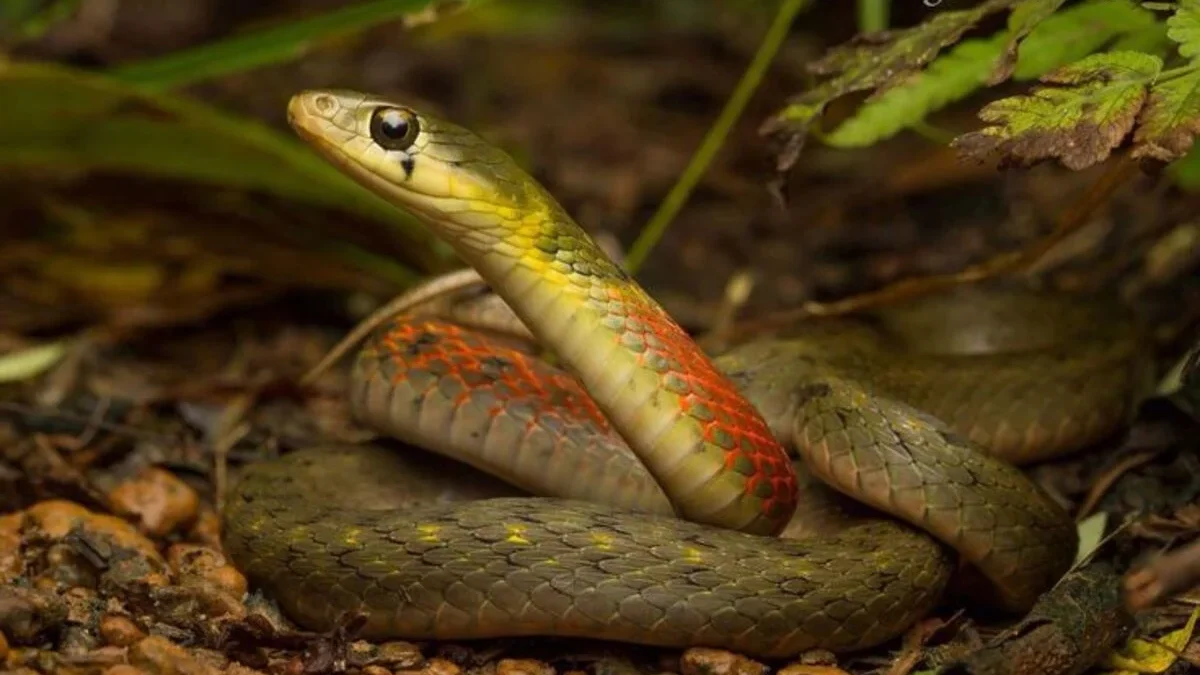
(431, 166)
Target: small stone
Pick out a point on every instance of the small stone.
(160, 501)
(27, 613)
(293, 666)
(207, 529)
(230, 580)
(11, 564)
(207, 564)
(159, 656)
(399, 654)
(56, 518)
(434, 666)
(705, 661)
(119, 630)
(523, 667)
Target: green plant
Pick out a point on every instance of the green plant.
(1110, 73)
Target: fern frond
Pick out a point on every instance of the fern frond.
(950, 78)
(1079, 122)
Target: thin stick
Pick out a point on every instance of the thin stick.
(432, 289)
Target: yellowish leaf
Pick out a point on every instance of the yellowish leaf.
(1140, 655)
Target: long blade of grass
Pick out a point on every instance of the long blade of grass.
(62, 119)
(278, 44)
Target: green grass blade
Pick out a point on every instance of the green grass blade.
(62, 119)
(285, 42)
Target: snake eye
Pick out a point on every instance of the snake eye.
(394, 128)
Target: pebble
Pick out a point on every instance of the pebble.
(705, 661)
(206, 563)
(119, 631)
(26, 613)
(56, 518)
(207, 529)
(388, 655)
(434, 666)
(159, 656)
(160, 501)
(11, 564)
(523, 667)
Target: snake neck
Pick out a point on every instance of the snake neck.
(706, 445)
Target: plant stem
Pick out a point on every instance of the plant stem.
(873, 15)
(716, 135)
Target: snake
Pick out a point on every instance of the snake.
(632, 488)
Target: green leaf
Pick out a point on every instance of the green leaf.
(1170, 121)
(1077, 31)
(949, 78)
(1184, 27)
(1078, 123)
(874, 61)
(282, 43)
(1151, 39)
(61, 119)
(1023, 19)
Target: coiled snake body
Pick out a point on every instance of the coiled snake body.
(662, 473)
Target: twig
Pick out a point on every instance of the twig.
(432, 289)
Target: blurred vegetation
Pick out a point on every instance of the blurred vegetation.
(1115, 73)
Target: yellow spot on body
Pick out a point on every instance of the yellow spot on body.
(602, 541)
(516, 534)
(351, 537)
(429, 532)
(693, 555)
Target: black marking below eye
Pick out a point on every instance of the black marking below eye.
(407, 163)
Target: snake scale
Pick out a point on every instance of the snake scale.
(662, 475)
